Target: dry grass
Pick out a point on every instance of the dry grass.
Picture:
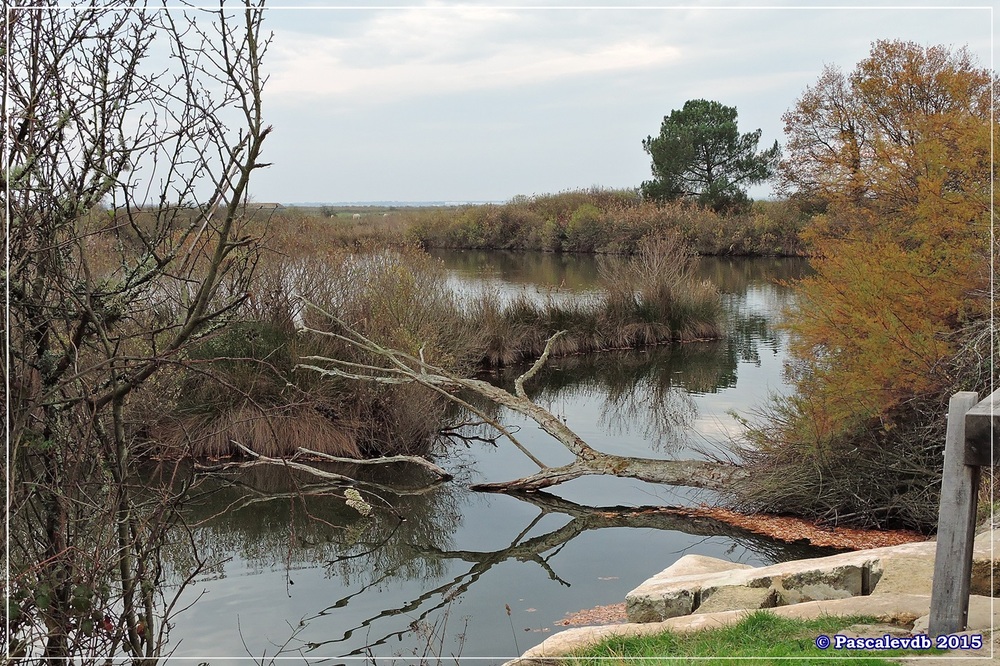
(271, 432)
(599, 221)
(243, 384)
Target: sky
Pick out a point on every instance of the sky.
(440, 101)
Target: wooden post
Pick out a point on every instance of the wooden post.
(956, 525)
(982, 423)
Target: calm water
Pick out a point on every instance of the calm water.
(311, 577)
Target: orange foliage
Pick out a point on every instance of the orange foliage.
(898, 155)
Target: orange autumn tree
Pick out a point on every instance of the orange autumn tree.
(893, 160)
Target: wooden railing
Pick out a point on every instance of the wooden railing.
(969, 446)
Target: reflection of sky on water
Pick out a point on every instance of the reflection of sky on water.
(537, 275)
(595, 567)
(752, 303)
(457, 555)
(471, 290)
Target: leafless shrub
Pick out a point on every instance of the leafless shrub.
(867, 473)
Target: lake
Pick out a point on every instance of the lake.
(452, 572)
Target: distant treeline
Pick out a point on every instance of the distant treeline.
(594, 221)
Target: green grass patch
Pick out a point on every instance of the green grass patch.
(762, 638)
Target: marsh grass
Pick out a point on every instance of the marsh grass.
(243, 384)
(648, 299)
(592, 221)
(595, 220)
(299, 231)
(764, 638)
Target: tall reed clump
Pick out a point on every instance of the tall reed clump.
(648, 299)
(654, 296)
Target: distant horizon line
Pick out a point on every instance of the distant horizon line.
(387, 202)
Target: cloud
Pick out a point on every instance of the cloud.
(431, 51)
(463, 102)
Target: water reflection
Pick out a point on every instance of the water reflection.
(263, 516)
(737, 275)
(537, 550)
(370, 587)
(572, 272)
(642, 393)
(581, 273)
(294, 567)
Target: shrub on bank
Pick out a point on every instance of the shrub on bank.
(882, 472)
(585, 231)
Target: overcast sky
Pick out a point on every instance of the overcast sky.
(474, 102)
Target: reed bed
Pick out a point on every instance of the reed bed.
(597, 221)
(242, 384)
(604, 222)
(649, 299)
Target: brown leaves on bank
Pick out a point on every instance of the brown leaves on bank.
(610, 614)
(797, 530)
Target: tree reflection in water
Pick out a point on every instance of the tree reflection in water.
(390, 576)
(538, 549)
(268, 516)
(270, 522)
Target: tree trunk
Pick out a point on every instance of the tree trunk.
(403, 368)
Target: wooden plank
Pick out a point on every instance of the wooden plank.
(982, 423)
(956, 525)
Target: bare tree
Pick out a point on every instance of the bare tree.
(132, 136)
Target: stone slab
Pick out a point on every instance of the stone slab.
(691, 565)
(734, 598)
(678, 588)
(897, 609)
(836, 576)
(983, 614)
(985, 578)
(892, 569)
(905, 574)
(818, 584)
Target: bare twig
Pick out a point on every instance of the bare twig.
(416, 460)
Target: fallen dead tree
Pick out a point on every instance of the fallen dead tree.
(402, 368)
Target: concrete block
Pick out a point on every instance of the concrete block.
(673, 591)
(838, 582)
(714, 599)
(657, 603)
(904, 575)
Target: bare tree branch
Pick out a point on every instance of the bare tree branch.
(416, 460)
(403, 368)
